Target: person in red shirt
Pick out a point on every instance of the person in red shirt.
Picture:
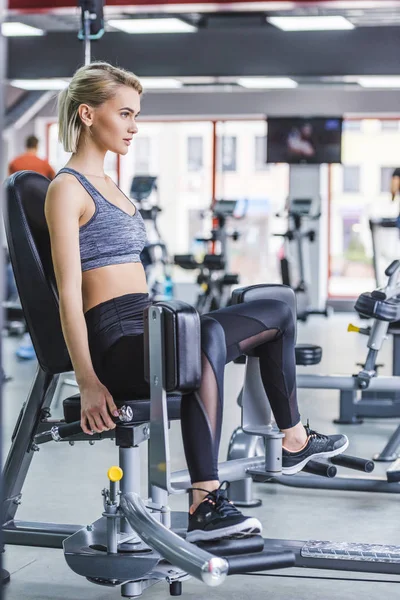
(29, 161)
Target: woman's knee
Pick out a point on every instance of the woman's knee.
(275, 314)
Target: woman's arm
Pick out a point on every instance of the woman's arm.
(65, 204)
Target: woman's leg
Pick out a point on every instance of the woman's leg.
(226, 334)
(265, 328)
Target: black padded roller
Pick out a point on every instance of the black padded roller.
(262, 561)
(308, 354)
(186, 261)
(214, 262)
(320, 468)
(353, 462)
(230, 279)
(392, 268)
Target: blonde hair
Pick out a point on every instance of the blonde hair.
(92, 84)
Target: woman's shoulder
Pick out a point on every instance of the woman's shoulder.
(65, 189)
(64, 183)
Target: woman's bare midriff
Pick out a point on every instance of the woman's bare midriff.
(105, 283)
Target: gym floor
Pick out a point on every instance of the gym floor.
(65, 482)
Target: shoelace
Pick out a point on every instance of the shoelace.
(222, 504)
(311, 433)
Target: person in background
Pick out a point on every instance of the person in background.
(30, 161)
(395, 183)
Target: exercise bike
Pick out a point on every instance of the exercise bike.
(213, 277)
(154, 256)
(299, 211)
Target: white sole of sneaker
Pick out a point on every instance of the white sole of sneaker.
(297, 468)
(251, 526)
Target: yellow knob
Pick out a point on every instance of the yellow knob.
(115, 474)
(353, 328)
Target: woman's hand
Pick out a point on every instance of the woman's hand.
(97, 405)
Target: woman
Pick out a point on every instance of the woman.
(97, 236)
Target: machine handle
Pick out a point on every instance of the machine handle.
(316, 467)
(353, 462)
(392, 268)
(66, 430)
(261, 561)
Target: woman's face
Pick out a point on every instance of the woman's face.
(113, 124)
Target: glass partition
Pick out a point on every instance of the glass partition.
(360, 190)
(242, 174)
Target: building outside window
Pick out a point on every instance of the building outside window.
(194, 153)
(260, 151)
(227, 145)
(351, 179)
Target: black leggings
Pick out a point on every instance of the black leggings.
(265, 327)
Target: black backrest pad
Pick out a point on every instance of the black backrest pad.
(30, 254)
(181, 329)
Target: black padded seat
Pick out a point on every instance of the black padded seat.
(308, 354)
(140, 408)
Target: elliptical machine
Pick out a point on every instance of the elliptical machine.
(214, 279)
(299, 209)
(154, 256)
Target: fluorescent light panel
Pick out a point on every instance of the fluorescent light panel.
(379, 81)
(39, 84)
(138, 26)
(19, 29)
(310, 23)
(264, 83)
(160, 83)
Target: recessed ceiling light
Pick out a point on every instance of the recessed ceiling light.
(379, 81)
(138, 26)
(310, 23)
(267, 82)
(40, 84)
(19, 29)
(157, 83)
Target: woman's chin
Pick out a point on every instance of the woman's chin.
(122, 150)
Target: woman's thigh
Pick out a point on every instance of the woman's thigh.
(241, 321)
(121, 368)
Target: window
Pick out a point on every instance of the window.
(194, 153)
(351, 179)
(389, 125)
(261, 152)
(386, 176)
(352, 125)
(142, 156)
(227, 153)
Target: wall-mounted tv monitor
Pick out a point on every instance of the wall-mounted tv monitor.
(298, 140)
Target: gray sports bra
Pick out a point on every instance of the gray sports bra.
(111, 236)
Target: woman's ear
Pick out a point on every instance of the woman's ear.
(86, 114)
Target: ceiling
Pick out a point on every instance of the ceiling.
(248, 14)
(232, 40)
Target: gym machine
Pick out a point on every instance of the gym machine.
(300, 210)
(384, 232)
(154, 256)
(382, 306)
(214, 278)
(135, 544)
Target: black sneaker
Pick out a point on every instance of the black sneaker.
(217, 518)
(318, 446)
